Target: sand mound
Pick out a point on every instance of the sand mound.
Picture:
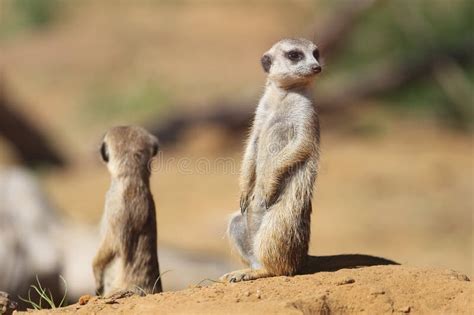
(372, 290)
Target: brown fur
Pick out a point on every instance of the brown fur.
(127, 257)
(279, 168)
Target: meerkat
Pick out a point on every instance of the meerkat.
(127, 257)
(271, 231)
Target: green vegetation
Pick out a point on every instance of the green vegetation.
(44, 295)
(136, 103)
(19, 15)
(402, 31)
(37, 13)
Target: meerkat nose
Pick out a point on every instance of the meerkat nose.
(316, 68)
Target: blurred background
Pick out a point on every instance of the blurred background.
(396, 106)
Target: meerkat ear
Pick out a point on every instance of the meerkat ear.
(156, 146)
(266, 62)
(104, 153)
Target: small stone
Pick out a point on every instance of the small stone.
(405, 309)
(83, 300)
(247, 293)
(258, 295)
(345, 281)
(377, 291)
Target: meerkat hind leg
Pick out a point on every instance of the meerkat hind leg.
(99, 265)
(238, 234)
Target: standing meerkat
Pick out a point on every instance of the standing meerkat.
(271, 232)
(127, 257)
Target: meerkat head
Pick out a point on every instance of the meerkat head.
(128, 149)
(292, 62)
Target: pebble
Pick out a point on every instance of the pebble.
(405, 309)
(377, 291)
(83, 300)
(345, 281)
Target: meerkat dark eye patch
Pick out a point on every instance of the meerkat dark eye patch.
(295, 55)
(266, 62)
(104, 153)
(316, 54)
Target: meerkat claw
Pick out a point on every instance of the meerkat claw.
(243, 204)
(238, 276)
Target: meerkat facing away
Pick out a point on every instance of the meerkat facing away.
(271, 232)
(127, 257)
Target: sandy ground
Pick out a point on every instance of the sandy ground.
(371, 290)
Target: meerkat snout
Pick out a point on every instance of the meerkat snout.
(292, 61)
(316, 68)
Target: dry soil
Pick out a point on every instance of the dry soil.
(370, 290)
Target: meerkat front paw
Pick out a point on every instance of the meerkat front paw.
(244, 203)
(269, 196)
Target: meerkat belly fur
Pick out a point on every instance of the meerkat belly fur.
(271, 232)
(127, 257)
